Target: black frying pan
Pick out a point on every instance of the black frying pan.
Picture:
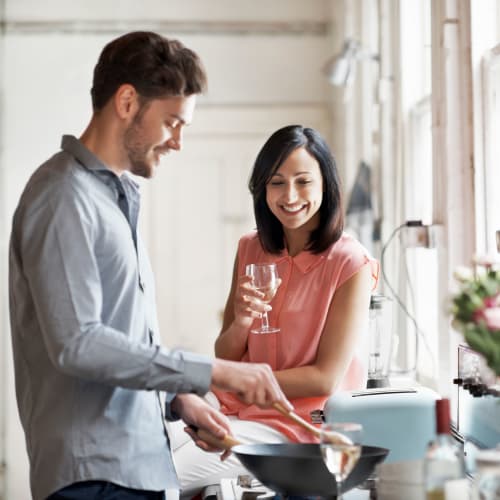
(297, 469)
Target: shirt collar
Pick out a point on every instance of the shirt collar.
(305, 261)
(74, 146)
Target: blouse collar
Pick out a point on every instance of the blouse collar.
(305, 260)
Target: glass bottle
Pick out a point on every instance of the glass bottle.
(444, 460)
(487, 480)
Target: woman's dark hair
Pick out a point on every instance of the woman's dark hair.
(274, 152)
(156, 66)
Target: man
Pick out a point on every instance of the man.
(91, 375)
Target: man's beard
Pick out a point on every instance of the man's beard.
(136, 149)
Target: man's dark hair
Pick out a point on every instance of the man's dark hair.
(274, 152)
(156, 66)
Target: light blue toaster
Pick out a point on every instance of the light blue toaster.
(402, 420)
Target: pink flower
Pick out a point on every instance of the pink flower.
(492, 301)
(491, 316)
(487, 260)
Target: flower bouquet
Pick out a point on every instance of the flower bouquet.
(475, 309)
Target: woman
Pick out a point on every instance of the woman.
(321, 306)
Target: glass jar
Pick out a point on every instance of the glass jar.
(487, 480)
(379, 341)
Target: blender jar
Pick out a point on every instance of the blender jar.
(379, 341)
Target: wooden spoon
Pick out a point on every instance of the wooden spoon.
(226, 443)
(334, 437)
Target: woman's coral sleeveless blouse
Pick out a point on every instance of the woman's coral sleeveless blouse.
(300, 309)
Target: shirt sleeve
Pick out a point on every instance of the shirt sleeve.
(349, 256)
(170, 415)
(54, 247)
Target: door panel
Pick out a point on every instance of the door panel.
(199, 206)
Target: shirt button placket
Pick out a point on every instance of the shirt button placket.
(284, 287)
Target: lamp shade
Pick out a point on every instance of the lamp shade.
(340, 69)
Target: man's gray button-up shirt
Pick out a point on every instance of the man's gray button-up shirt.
(87, 354)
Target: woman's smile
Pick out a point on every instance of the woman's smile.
(293, 209)
(295, 192)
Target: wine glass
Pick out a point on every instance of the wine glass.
(340, 452)
(265, 280)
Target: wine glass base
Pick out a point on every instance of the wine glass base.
(269, 329)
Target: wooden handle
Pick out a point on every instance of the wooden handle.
(299, 420)
(334, 437)
(226, 443)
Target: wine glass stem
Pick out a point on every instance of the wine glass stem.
(339, 490)
(265, 321)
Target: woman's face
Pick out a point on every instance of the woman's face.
(295, 192)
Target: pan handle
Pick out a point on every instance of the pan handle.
(226, 443)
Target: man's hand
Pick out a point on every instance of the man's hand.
(196, 412)
(253, 383)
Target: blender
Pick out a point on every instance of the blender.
(379, 341)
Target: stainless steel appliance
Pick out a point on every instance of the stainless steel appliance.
(478, 404)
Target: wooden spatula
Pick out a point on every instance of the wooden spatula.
(229, 441)
(335, 437)
(226, 443)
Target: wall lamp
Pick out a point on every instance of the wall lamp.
(341, 68)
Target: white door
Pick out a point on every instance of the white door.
(199, 205)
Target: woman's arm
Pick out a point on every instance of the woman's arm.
(242, 307)
(347, 317)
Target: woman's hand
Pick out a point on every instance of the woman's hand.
(248, 303)
(244, 304)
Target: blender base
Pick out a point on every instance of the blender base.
(374, 383)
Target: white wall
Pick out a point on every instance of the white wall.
(264, 63)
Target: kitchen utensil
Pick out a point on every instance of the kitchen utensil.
(297, 469)
(334, 436)
(230, 441)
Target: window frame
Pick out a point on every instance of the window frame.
(488, 200)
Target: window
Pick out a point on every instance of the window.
(490, 99)
(416, 290)
(485, 34)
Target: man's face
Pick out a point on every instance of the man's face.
(155, 130)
